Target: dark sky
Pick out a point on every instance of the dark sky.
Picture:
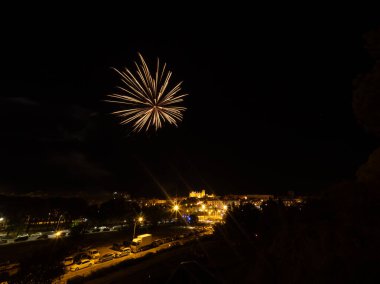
(269, 106)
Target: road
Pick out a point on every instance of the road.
(160, 266)
(87, 271)
(14, 252)
(208, 260)
(105, 249)
(37, 237)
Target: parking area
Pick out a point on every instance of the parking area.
(179, 240)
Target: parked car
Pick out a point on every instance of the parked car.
(123, 251)
(84, 248)
(36, 235)
(68, 261)
(43, 237)
(167, 240)
(116, 246)
(117, 228)
(9, 268)
(23, 237)
(175, 244)
(93, 253)
(127, 243)
(81, 256)
(84, 263)
(58, 234)
(104, 228)
(107, 257)
(157, 243)
(5, 265)
(62, 233)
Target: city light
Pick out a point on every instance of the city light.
(225, 207)
(141, 219)
(176, 209)
(1, 219)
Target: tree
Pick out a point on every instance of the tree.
(366, 93)
(43, 266)
(117, 210)
(77, 231)
(193, 219)
(369, 173)
(156, 214)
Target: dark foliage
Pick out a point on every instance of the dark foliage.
(43, 266)
(193, 219)
(117, 210)
(156, 213)
(333, 239)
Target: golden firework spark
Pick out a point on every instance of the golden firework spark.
(148, 99)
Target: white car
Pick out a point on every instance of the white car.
(36, 235)
(94, 253)
(123, 251)
(84, 263)
(22, 237)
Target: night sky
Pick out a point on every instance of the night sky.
(269, 107)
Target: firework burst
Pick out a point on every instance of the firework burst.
(148, 100)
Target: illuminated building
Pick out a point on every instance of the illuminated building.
(200, 194)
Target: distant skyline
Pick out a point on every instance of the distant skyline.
(267, 110)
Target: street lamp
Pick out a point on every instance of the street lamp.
(140, 219)
(175, 210)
